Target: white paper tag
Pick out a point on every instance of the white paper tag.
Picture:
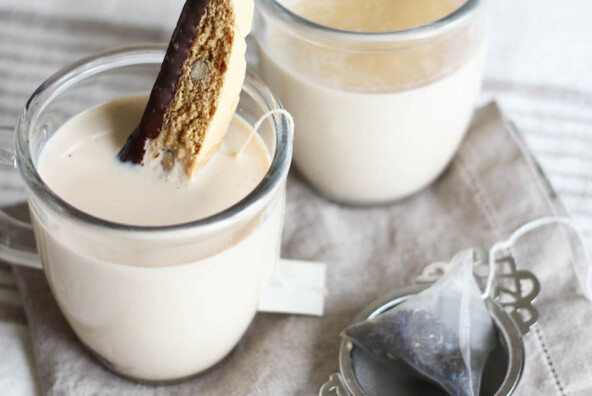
(296, 287)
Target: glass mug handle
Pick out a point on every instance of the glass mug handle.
(17, 243)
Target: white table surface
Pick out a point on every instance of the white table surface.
(539, 69)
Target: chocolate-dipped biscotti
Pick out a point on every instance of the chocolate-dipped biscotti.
(197, 90)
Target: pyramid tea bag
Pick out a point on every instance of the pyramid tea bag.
(444, 333)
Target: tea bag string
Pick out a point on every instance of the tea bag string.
(521, 231)
(260, 122)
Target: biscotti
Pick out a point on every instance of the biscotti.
(197, 90)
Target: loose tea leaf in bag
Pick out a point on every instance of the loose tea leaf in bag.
(445, 333)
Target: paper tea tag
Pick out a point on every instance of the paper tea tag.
(296, 287)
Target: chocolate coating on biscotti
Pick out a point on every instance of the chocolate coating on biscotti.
(164, 88)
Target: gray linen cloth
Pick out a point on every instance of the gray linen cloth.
(491, 188)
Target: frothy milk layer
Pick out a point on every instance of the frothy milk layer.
(373, 15)
(80, 165)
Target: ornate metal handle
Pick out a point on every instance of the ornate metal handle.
(334, 386)
(515, 290)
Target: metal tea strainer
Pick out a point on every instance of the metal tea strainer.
(512, 312)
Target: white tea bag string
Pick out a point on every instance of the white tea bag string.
(526, 228)
(260, 122)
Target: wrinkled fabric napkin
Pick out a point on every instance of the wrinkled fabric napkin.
(548, 100)
(492, 187)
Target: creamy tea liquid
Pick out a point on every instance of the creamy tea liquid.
(378, 122)
(373, 15)
(80, 164)
(155, 305)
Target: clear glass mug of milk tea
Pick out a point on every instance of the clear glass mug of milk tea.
(382, 91)
(159, 280)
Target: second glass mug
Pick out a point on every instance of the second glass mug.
(379, 114)
(153, 303)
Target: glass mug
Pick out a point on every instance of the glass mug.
(153, 303)
(379, 115)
